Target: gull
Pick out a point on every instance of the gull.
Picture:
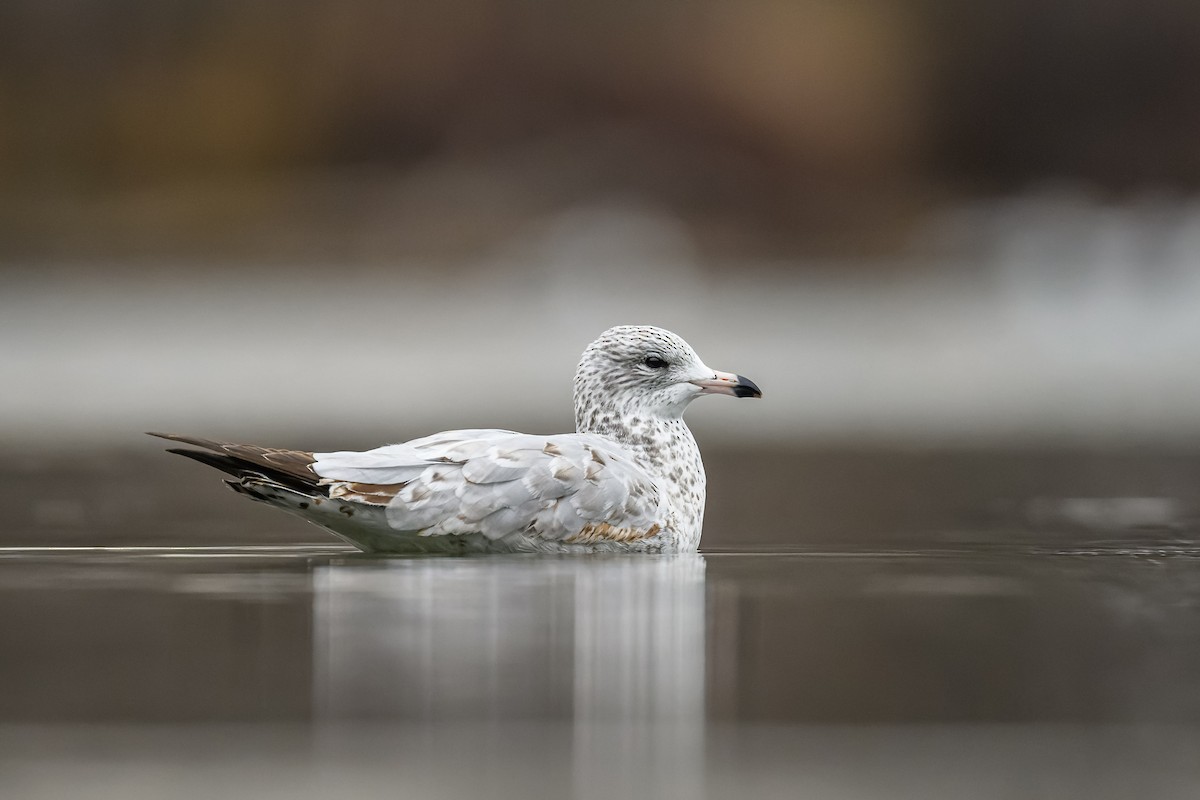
(630, 478)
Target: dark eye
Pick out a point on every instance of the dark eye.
(654, 362)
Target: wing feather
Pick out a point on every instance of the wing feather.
(500, 483)
(499, 464)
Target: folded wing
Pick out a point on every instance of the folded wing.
(575, 488)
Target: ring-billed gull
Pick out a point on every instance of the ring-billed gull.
(629, 479)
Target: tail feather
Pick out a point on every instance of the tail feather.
(289, 468)
(252, 487)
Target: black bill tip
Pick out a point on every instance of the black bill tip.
(746, 388)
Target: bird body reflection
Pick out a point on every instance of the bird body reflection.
(613, 647)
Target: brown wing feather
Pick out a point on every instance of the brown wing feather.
(295, 464)
(377, 494)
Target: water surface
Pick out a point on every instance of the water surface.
(872, 672)
(865, 626)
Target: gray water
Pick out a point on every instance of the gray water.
(1029, 645)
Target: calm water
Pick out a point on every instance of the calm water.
(1055, 658)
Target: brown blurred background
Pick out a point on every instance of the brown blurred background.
(373, 131)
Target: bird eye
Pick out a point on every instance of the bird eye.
(654, 362)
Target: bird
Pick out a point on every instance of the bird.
(630, 479)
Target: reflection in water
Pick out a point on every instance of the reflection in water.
(614, 644)
(985, 673)
(639, 683)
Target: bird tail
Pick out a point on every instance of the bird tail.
(285, 479)
(291, 469)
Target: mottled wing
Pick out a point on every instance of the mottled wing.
(575, 488)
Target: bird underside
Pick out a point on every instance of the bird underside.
(366, 527)
(358, 511)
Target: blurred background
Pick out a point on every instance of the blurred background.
(922, 222)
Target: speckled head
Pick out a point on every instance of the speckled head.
(639, 371)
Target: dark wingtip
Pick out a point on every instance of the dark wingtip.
(226, 464)
(746, 388)
(192, 440)
(179, 437)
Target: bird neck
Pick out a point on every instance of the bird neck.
(663, 447)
